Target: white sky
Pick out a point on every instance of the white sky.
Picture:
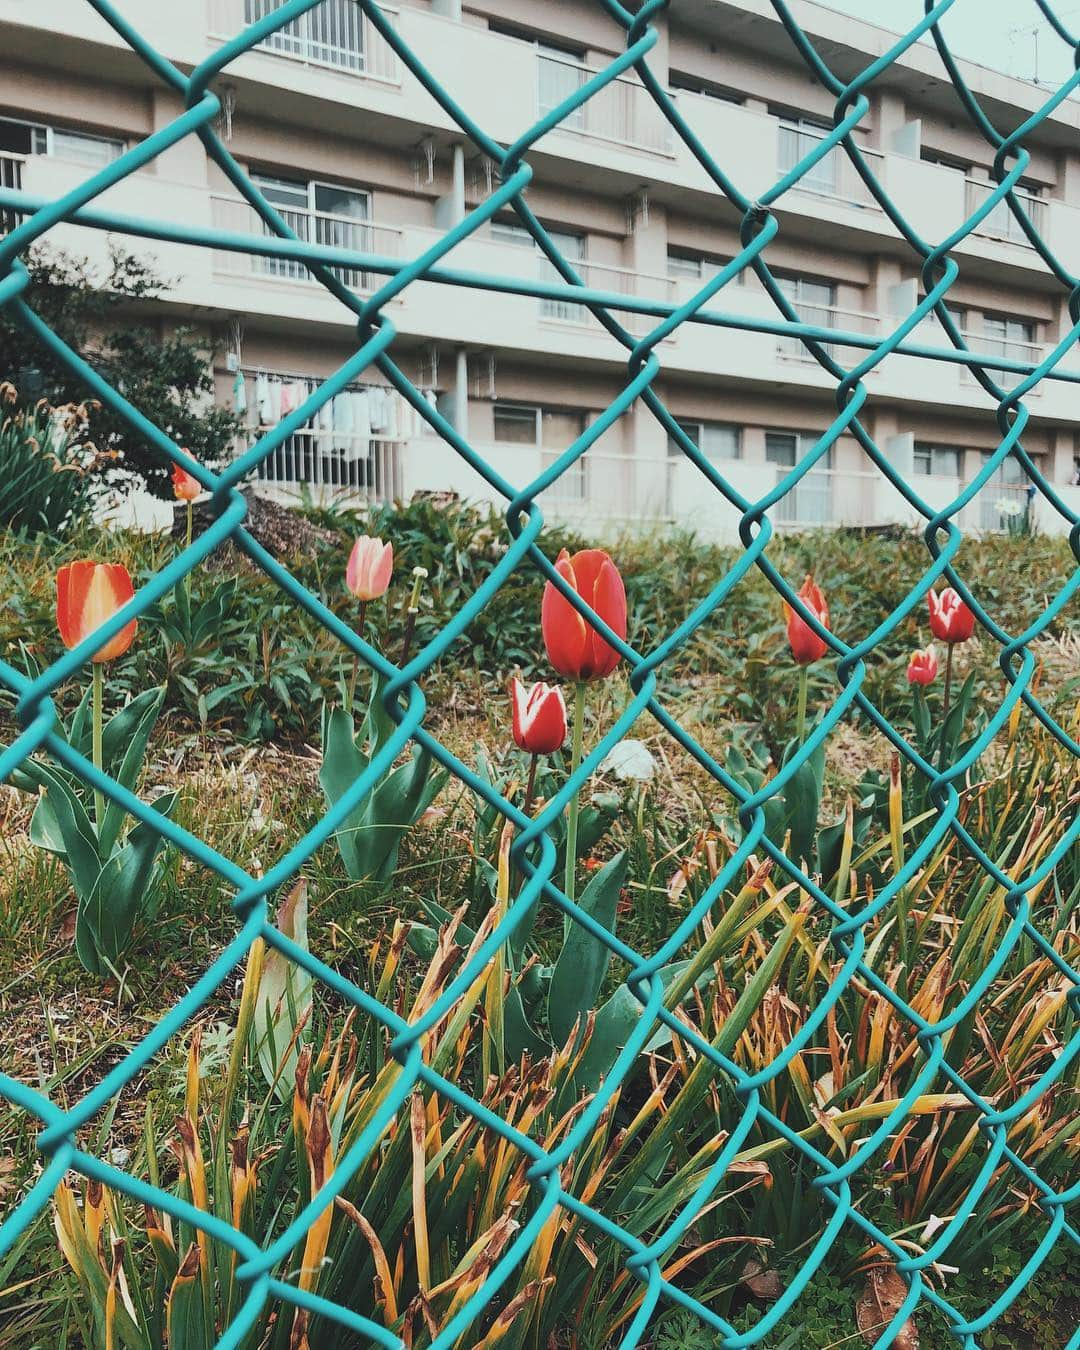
(1008, 35)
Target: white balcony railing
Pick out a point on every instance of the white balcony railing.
(1001, 223)
(1009, 349)
(833, 176)
(329, 465)
(829, 316)
(11, 167)
(336, 33)
(316, 227)
(621, 112)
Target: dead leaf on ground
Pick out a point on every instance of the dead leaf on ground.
(882, 1295)
(763, 1282)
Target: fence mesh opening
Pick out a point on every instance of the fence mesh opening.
(576, 100)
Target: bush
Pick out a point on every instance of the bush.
(47, 484)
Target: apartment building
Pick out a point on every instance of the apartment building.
(354, 153)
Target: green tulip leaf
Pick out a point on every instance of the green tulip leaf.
(579, 972)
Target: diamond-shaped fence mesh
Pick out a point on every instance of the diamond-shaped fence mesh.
(264, 1271)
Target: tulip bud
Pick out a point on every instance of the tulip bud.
(923, 666)
(185, 486)
(950, 619)
(539, 716)
(574, 647)
(806, 646)
(371, 564)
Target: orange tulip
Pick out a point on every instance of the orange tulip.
(923, 667)
(184, 485)
(371, 564)
(950, 619)
(574, 648)
(806, 646)
(87, 595)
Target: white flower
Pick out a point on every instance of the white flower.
(1008, 507)
(629, 760)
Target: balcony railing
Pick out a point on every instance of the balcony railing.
(316, 227)
(335, 33)
(1001, 223)
(833, 176)
(621, 112)
(1009, 349)
(828, 316)
(11, 167)
(330, 465)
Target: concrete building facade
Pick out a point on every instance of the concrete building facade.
(355, 153)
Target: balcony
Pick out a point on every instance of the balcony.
(1001, 223)
(335, 34)
(622, 112)
(830, 316)
(316, 227)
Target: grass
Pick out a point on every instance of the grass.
(251, 795)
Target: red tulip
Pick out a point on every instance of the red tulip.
(950, 619)
(923, 667)
(806, 646)
(184, 485)
(88, 594)
(574, 648)
(371, 564)
(539, 717)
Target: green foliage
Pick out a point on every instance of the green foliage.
(116, 876)
(370, 836)
(163, 371)
(47, 484)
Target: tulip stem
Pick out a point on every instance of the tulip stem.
(187, 538)
(99, 692)
(530, 786)
(804, 680)
(950, 647)
(572, 811)
(356, 655)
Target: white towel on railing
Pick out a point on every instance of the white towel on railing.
(377, 404)
(239, 393)
(342, 415)
(361, 416)
(262, 399)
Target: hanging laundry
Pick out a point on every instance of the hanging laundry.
(275, 400)
(378, 401)
(291, 397)
(361, 416)
(262, 399)
(239, 393)
(392, 428)
(325, 416)
(342, 416)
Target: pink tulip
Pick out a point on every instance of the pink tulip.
(371, 564)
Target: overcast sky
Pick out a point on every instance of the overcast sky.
(1009, 35)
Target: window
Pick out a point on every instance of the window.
(810, 501)
(1002, 222)
(718, 440)
(552, 431)
(320, 213)
(814, 302)
(938, 461)
(695, 84)
(81, 147)
(561, 72)
(1013, 339)
(683, 265)
(571, 246)
(1004, 498)
(798, 137)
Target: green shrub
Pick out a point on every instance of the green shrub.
(47, 484)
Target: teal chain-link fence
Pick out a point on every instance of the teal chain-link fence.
(263, 1271)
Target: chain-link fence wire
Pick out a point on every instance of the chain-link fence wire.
(534, 851)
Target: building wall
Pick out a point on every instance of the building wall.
(643, 207)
